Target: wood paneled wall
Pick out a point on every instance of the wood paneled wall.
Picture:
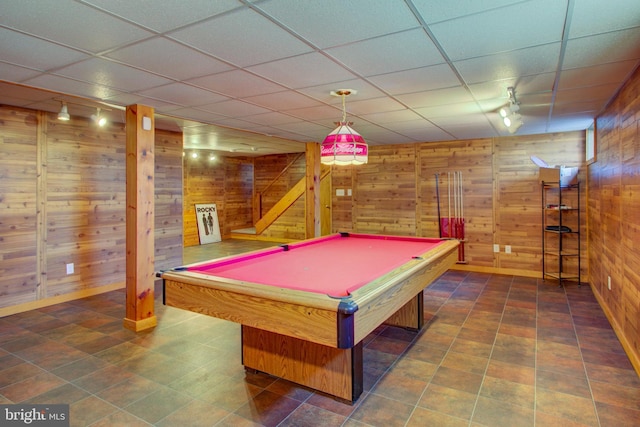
(168, 202)
(238, 192)
(204, 182)
(273, 185)
(384, 197)
(395, 193)
(225, 181)
(271, 182)
(19, 203)
(518, 194)
(231, 182)
(474, 160)
(614, 215)
(62, 201)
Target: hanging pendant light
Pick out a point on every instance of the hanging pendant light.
(344, 146)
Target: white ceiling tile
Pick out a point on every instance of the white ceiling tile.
(318, 21)
(595, 16)
(523, 62)
(449, 110)
(385, 137)
(558, 124)
(417, 80)
(167, 15)
(283, 101)
(130, 99)
(237, 83)
(427, 134)
(364, 90)
(371, 106)
(195, 114)
(409, 125)
(436, 97)
(271, 118)
(391, 117)
(145, 55)
(435, 11)
(595, 93)
(454, 120)
(324, 113)
(235, 123)
(497, 89)
(15, 73)
(183, 94)
(70, 86)
(521, 25)
(233, 108)
(259, 41)
(43, 55)
(604, 48)
(306, 70)
(75, 25)
(614, 72)
(112, 74)
(388, 54)
(472, 132)
(393, 66)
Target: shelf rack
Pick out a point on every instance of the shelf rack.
(561, 232)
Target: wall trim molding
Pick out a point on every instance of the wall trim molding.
(45, 302)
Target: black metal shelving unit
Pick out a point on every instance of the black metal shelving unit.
(561, 232)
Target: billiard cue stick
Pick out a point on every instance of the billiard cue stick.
(438, 207)
(449, 204)
(455, 204)
(462, 218)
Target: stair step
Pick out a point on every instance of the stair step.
(250, 230)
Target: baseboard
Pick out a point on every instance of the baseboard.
(45, 302)
(634, 357)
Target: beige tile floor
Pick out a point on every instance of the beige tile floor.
(496, 351)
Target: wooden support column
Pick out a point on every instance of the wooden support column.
(312, 190)
(140, 313)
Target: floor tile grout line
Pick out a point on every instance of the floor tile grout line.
(484, 376)
(399, 357)
(584, 365)
(535, 359)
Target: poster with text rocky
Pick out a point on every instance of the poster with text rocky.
(208, 226)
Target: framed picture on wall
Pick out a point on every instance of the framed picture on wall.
(590, 143)
(208, 226)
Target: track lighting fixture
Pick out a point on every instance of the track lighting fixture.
(99, 119)
(64, 113)
(509, 113)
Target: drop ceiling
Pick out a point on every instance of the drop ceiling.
(255, 77)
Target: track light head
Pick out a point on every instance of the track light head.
(64, 113)
(99, 119)
(509, 113)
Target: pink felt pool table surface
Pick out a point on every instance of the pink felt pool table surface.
(331, 265)
(305, 307)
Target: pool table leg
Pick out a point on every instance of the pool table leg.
(334, 371)
(411, 315)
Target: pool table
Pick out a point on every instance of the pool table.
(305, 307)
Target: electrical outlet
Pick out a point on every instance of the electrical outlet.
(507, 249)
(496, 248)
(70, 268)
(609, 282)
